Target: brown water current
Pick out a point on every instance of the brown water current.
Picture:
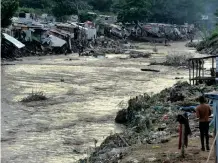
(83, 93)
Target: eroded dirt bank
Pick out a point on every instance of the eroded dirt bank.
(83, 93)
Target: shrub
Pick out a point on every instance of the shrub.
(177, 59)
(34, 96)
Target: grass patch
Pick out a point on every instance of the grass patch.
(178, 59)
(175, 59)
(34, 96)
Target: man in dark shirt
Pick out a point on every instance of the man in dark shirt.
(203, 112)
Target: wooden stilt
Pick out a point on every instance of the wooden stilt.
(189, 68)
(196, 71)
(203, 68)
(199, 72)
(193, 67)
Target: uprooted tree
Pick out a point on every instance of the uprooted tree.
(8, 9)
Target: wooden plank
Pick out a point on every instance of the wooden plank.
(193, 71)
(207, 57)
(189, 69)
(145, 69)
(203, 78)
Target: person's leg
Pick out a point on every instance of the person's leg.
(201, 127)
(207, 135)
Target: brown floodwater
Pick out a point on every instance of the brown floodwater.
(83, 97)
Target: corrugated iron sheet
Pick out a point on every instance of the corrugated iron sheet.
(56, 42)
(14, 41)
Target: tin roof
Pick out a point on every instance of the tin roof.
(14, 41)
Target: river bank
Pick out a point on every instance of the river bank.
(152, 121)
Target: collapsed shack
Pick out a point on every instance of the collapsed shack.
(31, 36)
(10, 47)
(198, 73)
(158, 32)
(149, 120)
(75, 35)
(60, 39)
(112, 31)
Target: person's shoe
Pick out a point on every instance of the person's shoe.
(208, 148)
(203, 149)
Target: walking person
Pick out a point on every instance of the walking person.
(203, 111)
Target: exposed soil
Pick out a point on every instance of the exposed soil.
(168, 153)
(83, 96)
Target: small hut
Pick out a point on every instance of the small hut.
(199, 73)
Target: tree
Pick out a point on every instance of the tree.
(39, 4)
(176, 11)
(101, 5)
(84, 16)
(134, 10)
(116, 6)
(8, 9)
(64, 7)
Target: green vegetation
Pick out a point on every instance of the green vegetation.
(162, 11)
(64, 7)
(209, 44)
(8, 9)
(165, 11)
(134, 11)
(101, 5)
(84, 16)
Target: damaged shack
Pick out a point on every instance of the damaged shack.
(11, 46)
(203, 70)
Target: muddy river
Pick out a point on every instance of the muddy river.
(84, 95)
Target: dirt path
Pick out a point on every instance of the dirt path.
(83, 93)
(168, 152)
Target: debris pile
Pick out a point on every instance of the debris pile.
(191, 44)
(157, 32)
(149, 120)
(208, 46)
(137, 54)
